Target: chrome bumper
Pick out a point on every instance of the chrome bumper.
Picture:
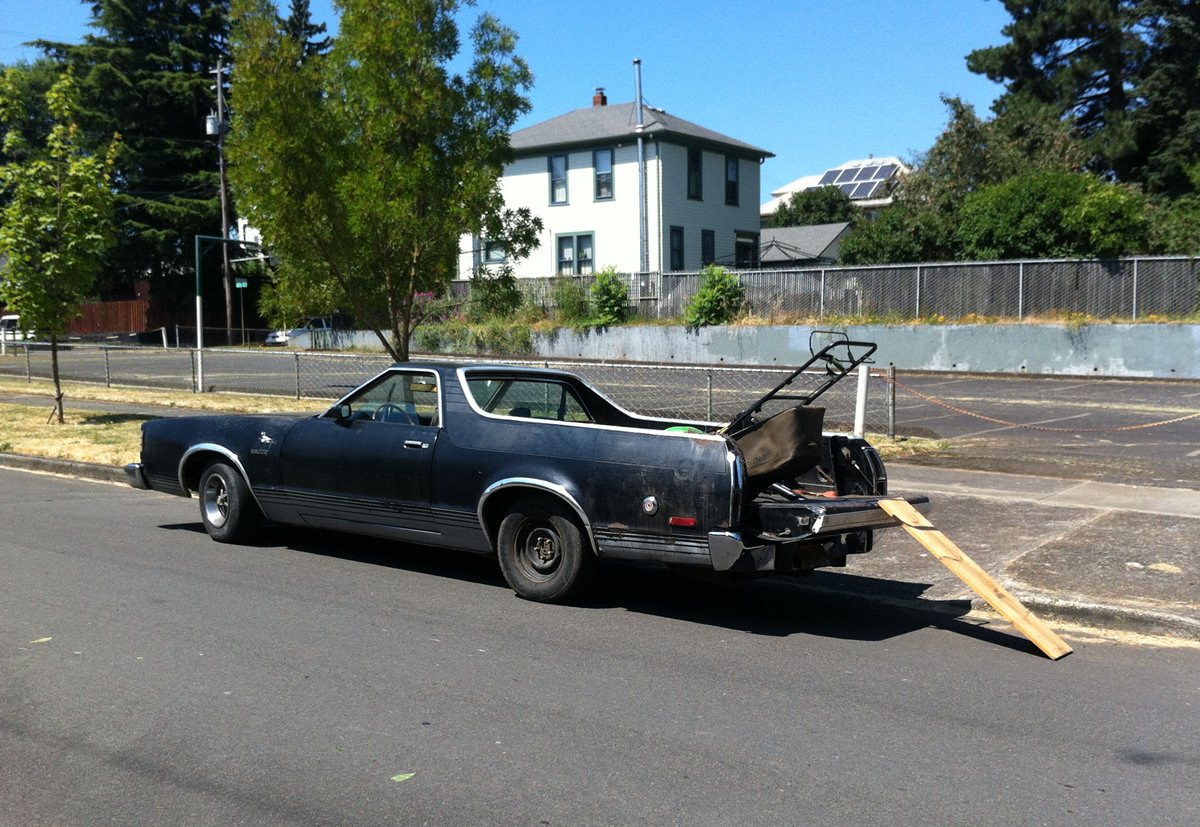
(137, 476)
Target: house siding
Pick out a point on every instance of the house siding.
(614, 223)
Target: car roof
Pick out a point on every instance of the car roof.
(446, 368)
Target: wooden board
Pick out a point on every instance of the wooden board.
(940, 546)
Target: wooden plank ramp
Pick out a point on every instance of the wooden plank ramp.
(999, 598)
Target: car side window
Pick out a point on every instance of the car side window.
(399, 398)
(529, 398)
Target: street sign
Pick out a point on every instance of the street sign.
(240, 283)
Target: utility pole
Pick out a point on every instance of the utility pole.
(226, 272)
(643, 231)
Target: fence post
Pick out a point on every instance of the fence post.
(918, 296)
(1135, 275)
(28, 366)
(297, 355)
(708, 376)
(891, 401)
(107, 371)
(860, 403)
(192, 365)
(821, 315)
(1021, 290)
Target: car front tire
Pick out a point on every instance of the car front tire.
(542, 551)
(227, 508)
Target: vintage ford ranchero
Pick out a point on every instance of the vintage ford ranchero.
(542, 470)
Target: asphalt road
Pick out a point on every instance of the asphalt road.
(151, 676)
(1080, 428)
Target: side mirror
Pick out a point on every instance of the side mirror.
(342, 414)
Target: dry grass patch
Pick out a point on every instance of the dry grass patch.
(87, 436)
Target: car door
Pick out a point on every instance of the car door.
(365, 466)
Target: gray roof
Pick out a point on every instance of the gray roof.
(605, 124)
(799, 243)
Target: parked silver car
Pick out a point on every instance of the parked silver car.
(308, 325)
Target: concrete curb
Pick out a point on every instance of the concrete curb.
(1050, 606)
(66, 467)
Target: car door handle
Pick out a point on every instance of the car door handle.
(415, 443)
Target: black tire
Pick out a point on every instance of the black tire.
(542, 551)
(227, 508)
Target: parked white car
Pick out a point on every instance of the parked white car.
(10, 329)
(307, 325)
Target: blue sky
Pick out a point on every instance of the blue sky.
(816, 82)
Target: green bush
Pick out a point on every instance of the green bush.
(493, 296)
(610, 298)
(720, 300)
(570, 299)
(496, 337)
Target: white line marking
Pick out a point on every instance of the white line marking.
(1195, 453)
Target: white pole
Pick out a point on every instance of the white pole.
(860, 404)
(199, 344)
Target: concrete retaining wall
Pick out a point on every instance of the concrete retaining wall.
(1131, 350)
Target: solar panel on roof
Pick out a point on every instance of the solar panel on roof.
(847, 175)
(867, 173)
(886, 171)
(847, 188)
(863, 189)
(829, 177)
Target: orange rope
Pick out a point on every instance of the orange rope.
(965, 412)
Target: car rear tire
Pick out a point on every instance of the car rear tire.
(542, 551)
(227, 508)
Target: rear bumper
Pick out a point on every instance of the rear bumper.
(804, 535)
(136, 475)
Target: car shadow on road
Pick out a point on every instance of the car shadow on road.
(826, 604)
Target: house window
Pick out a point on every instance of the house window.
(558, 179)
(575, 255)
(745, 249)
(677, 248)
(731, 180)
(602, 160)
(695, 172)
(494, 252)
(708, 247)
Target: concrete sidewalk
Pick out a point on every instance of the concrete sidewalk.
(1097, 554)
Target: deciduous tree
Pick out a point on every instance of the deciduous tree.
(822, 205)
(58, 221)
(364, 167)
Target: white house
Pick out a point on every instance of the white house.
(579, 173)
(868, 182)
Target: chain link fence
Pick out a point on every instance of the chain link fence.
(711, 394)
(1133, 288)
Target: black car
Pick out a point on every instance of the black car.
(540, 469)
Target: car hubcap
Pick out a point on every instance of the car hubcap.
(216, 501)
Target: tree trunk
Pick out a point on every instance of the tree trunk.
(58, 394)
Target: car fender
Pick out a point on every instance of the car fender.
(513, 483)
(212, 448)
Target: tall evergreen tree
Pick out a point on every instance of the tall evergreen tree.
(299, 27)
(146, 73)
(1165, 122)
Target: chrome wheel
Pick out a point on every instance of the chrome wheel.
(215, 499)
(227, 507)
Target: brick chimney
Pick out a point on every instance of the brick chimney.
(599, 98)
